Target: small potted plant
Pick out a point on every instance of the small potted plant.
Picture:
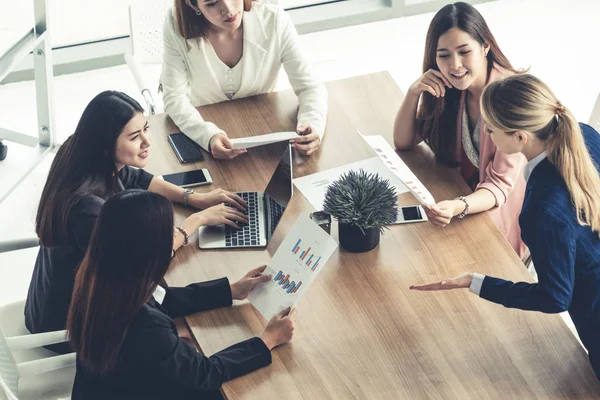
(363, 204)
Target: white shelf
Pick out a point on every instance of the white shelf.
(15, 54)
(26, 152)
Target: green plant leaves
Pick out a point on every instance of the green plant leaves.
(362, 199)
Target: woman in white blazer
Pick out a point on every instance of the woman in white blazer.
(218, 50)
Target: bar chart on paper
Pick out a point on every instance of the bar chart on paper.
(299, 259)
(285, 284)
(306, 257)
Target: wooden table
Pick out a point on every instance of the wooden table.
(360, 333)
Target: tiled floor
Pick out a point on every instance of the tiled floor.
(555, 38)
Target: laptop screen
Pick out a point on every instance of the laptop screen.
(278, 192)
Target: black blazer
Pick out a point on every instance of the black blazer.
(53, 277)
(154, 363)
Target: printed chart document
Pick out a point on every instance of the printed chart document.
(314, 186)
(261, 140)
(394, 163)
(297, 262)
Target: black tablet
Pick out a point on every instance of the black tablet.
(185, 148)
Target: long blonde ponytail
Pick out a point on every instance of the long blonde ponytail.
(523, 102)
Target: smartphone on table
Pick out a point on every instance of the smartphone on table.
(410, 214)
(185, 148)
(196, 177)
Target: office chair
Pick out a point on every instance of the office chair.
(27, 370)
(146, 18)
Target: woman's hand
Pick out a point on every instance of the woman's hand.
(460, 282)
(308, 143)
(441, 214)
(243, 287)
(221, 147)
(280, 329)
(217, 196)
(221, 214)
(431, 81)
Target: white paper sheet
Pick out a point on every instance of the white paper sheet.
(297, 262)
(261, 140)
(394, 163)
(314, 186)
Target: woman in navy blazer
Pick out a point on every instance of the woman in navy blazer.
(126, 341)
(560, 218)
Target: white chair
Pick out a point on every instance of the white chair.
(146, 18)
(27, 370)
(594, 121)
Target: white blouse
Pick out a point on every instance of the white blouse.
(230, 79)
(191, 79)
(470, 140)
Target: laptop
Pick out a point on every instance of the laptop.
(264, 211)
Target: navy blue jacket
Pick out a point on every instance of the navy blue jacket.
(566, 255)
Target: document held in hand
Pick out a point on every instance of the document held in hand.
(261, 140)
(394, 163)
(297, 262)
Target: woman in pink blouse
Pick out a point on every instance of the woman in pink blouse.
(442, 108)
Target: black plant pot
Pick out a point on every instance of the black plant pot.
(354, 240)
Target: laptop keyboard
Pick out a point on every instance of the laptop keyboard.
(249, 235)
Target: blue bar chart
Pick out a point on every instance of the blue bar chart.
(311, 262)
(283, 280)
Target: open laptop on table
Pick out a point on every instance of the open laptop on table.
(264, 212)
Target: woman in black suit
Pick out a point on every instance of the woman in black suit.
(126, 342)
(106, 154)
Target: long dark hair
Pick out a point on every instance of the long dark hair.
(436, 117)
(84, 164)
(129, 254)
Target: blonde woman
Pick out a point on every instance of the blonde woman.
(220, 50)
(560, 218)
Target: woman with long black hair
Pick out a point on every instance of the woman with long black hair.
(127, 344)
(94, 163)
(442, 108)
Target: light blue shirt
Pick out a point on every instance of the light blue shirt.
(528, 169)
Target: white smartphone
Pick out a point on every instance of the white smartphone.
(196, 177)
(410, 214)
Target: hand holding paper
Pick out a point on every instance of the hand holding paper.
(241, 288)
(394, 163)
(297, 262)
(280, 328)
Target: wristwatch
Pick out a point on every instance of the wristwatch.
(466, 210)
(186, 196)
